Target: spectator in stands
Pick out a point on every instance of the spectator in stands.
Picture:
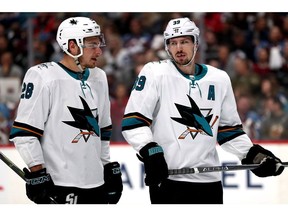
(118, 58)
(5, 124)
(261, 64)
(137, 38)
(225, 58)
(285, 27)
(4, 46)
(8, 68)
(245, 78)
(270, 88)
(275, 123)
(211, 46)
(118, 105)
(282, 73)
(240, 43)
(231, 64)
(2, 30)
(251, 120)
(276, 47)
(260, 30)
(3, 131)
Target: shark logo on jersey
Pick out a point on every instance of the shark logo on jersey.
(194, 120)
(85, 121)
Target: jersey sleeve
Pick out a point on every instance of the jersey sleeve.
(231, 135)
(106, 125)
(32, 114)
(138, 114)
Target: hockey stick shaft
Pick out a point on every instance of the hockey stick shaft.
(15, 168)
(216, 169)
(18, 171)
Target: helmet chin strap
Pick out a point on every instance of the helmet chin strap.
(77, 62)
(76, 58)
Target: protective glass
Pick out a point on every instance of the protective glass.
(94, 45)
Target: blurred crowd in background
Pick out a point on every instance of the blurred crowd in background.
(251, 47)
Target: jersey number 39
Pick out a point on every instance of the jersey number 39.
(139, 83)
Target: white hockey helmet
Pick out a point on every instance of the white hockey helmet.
(181, 27)
(77, 28)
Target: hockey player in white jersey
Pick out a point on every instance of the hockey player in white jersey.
(177, 112)
(63, 125)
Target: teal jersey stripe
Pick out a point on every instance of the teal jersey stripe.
(134, 121)
(18, 132)
(106, 133)
(228, 134)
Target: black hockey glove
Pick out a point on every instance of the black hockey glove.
(155, 166)
(267, 160)
(113, 182)
(39, 186)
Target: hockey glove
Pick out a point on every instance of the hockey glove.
(113, 182)
(39, 186)
(155, 166)
(269, 164)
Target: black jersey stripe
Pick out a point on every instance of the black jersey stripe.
(228, 133)
(22, 129)
(135, 120)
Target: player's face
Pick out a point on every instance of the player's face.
(181, 49)
(91, 51)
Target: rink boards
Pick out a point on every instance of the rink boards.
(240, 187)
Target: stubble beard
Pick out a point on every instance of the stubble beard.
(182, 62)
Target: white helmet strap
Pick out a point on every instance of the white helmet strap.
(194, 54)
(76, 57)
(77, 62)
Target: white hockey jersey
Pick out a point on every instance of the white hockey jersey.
(186, 115)
(63, 121)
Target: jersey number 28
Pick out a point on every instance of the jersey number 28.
(27, 90)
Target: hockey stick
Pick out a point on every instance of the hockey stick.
(216, 169)
(18, 171)
(9, 163)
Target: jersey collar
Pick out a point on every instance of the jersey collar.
(200, 71)
(76, 75)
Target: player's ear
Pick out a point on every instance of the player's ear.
(73, 47)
